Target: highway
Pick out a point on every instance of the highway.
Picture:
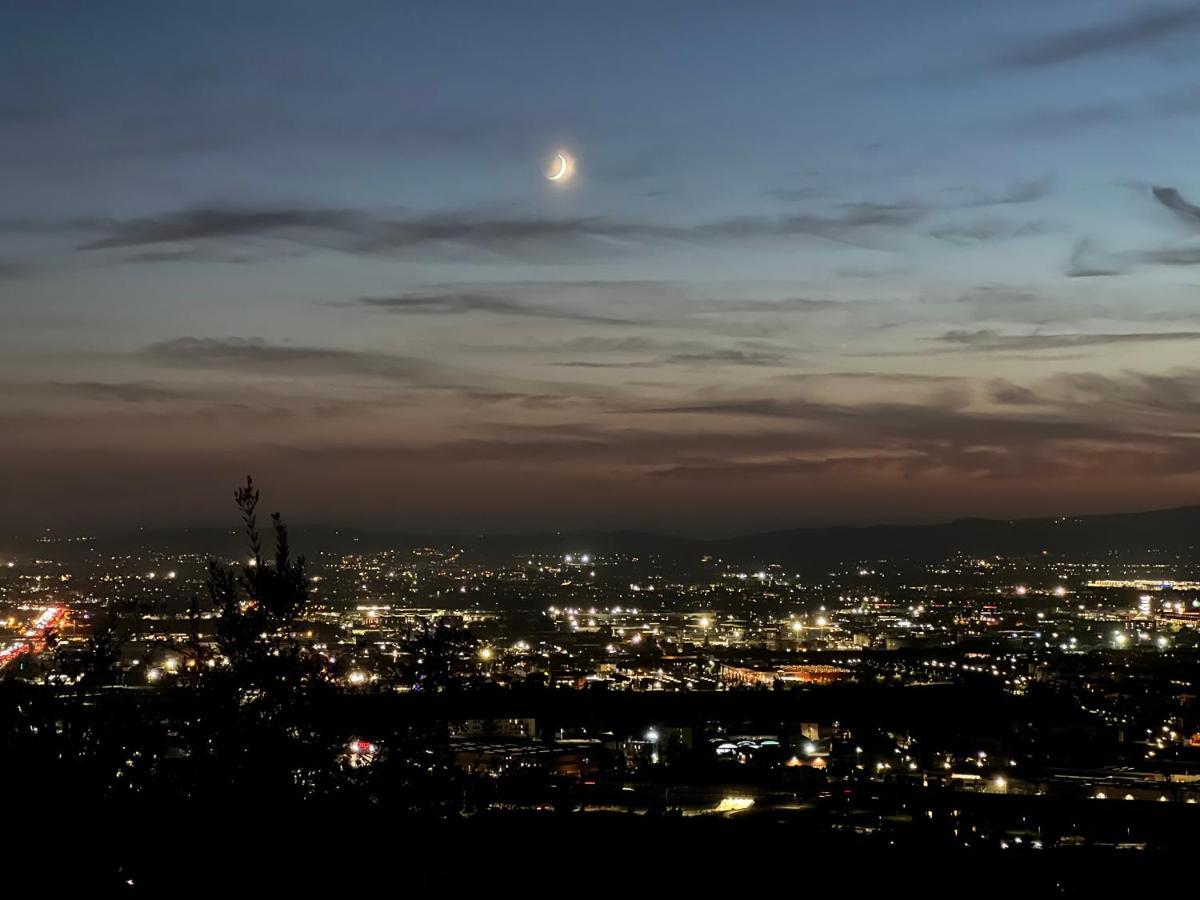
(33, 641)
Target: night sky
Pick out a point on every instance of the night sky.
(819, 262)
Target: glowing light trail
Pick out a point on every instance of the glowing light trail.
(33, 641)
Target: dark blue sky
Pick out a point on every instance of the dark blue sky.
(819, 261)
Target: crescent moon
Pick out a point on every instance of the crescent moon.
(562, 168)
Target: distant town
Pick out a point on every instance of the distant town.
(1021, 704)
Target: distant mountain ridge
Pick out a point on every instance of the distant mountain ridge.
(1173, 531)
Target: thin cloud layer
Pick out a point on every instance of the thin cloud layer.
(186, 235)
(1170, 198)
(987, 339)
(1144, 28)
(460, 304)
(255, 355)
(510, 236)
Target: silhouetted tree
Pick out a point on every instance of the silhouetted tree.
(259, 732)
(259, 724)
(257, 604)
(101, 651)
(440, 649)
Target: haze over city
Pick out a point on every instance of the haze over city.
(812, 263)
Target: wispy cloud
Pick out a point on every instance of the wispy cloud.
(1171, 199)
(733, 357)
(1144, 28)
(123, 391)
(990, 229)
(1086, 261)
(1069, 121)
(986, 339)
(189, 234)
(1172, 393)
(221, 223)
(1172, 256)
(260, 356)
(242, 234)
(1039, 433)
(1018, 192)
(452, 304)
